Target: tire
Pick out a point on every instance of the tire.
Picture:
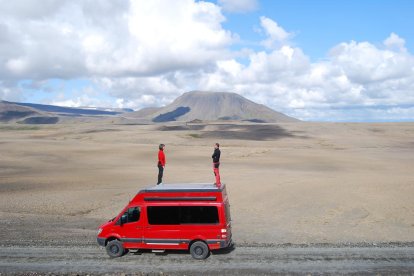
(115, 249)
(199, 250)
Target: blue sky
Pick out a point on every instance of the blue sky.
(315, 60)
(318, 25)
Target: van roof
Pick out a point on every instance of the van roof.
(188, 187)
(182, 192)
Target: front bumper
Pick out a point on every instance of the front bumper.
(101, 241)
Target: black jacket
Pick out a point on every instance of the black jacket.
(216, 156)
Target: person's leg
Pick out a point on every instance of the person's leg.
(214, 171)
(217, 174)
(218, 182)
(160, 174)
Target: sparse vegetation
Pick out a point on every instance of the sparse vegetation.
(194, 135)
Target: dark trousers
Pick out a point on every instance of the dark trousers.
(160, 173)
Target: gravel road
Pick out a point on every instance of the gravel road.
(243, 260)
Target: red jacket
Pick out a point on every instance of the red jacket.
(161, 158)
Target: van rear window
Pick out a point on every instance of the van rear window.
(169, 215)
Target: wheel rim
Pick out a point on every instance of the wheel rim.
(114, 249)
(199, 251)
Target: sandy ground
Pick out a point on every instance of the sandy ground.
(296, 183)
(242, 261)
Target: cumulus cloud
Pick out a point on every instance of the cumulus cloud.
(394, 42)
(129, 49)
(9, 92)
(136, 92)
(276, 35)
(239, 6)
(361, 75)
(364, 62)
(69, 39)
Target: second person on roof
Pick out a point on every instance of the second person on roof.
(161, 163)
(216, 163)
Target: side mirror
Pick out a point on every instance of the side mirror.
(124, 219)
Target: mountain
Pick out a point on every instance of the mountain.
(142, 113)
(71, 110)
(10, 112)
(29, 113)
(212, 106)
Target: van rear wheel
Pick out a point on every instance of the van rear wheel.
(115, 249)
(199, 250)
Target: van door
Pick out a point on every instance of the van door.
(163, 228)
(131, 227)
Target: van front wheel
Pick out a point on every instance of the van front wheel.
(199, 250)
(115, 249)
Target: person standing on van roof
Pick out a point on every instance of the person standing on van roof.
(216, 163)
(161, 163)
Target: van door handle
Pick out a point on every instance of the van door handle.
(138, 227)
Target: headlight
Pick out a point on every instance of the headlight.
(99, 231)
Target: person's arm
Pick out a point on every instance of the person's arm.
(165, 161)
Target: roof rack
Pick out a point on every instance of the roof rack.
(189, 187)
(183, 198)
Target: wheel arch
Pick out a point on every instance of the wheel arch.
(196, 240)
(111, 238)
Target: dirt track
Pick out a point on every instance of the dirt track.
(242, 260)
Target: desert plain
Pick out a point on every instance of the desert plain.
(288, 183)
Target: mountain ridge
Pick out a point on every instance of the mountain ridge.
(188, 107)
(32, 113)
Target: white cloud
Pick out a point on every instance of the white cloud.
(69, 39)
(17, 66)
(239, 6)
(136, 92)
(358, 114)
(10, 92)
(394, 42)
(276, 35)
(361, 75)
(23, 10)
(364, 63)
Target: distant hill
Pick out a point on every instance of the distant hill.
(29, 113)
(11, 112)
(144, 112)
(212, 106)
(69, 110)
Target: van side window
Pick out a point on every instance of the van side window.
(170, 215)
(199, 215)
(133, 214)
(163, 215)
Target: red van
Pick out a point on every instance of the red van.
(194, 217)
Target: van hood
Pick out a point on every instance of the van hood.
(109, 222)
